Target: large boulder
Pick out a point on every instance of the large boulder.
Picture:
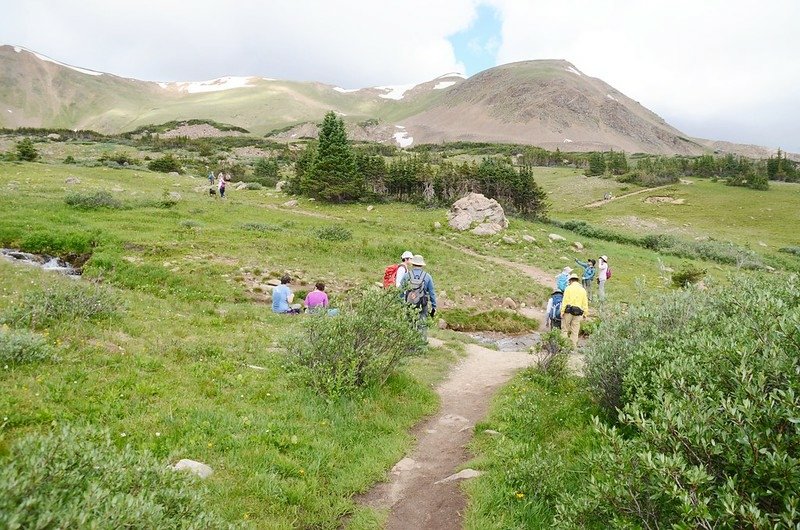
(477, 213)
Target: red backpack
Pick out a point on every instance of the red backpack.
(390, 276)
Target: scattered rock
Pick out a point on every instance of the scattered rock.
(273, 282)
(174, 174)
(117, 189)
(442, 323)
(509, 303)
(578, 245)
(490, 432)
(461, 475)
(406, 464)
(770, 269)
(240, 185)
(556, 237)
(279, 186)
(54, 136)
(290, 204)
(452, 419)
(529, 238)
(474, 211)
(370, 208)
(73, 180)
(174, 195)
(762, 244)
(437, 225)
(198, 468)
(510, 240)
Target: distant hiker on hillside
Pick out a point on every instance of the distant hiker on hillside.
(282, 296)
(603, 274)
(394, 274)
(561, 279)
(222, 185)
(588, 275)
(553, 310)
(317, 298)
(574, 306)
(210, 177)
(419, 293)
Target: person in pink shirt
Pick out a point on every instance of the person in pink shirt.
(317, 298)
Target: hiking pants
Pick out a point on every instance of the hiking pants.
(587, 284)
(601, 290)
(571, 327)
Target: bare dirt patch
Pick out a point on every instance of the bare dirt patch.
(202, 130)
(658, 199)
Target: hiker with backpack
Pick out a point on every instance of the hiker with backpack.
(394, 275)
(553, 310)
(603, 274)
(574, 306)
(419, 293)
(589, 273)
(562, 279)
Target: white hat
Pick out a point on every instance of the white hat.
(418, 261)
(604, 258)
(407, 254)
(573, 277)
(567, 270)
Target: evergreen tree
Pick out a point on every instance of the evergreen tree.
(597, 165)
(26, 151)
(334, 176)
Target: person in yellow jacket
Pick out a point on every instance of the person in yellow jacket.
(574, 307)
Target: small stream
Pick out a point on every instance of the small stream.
(504, 342)
(48, 263)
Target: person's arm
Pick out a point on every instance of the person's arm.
(401, 274)
(324, 299)
(431, 292)
(582, 264)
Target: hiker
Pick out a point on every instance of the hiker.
(403, 268)
(317, 298)
(603, 274)
(419, 293)
(553, 310)
(589, 272)
(562, 279)
(574, 306)
(222, 185)
(210, 177)
(282, 296)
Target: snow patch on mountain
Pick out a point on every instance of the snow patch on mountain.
(452, 74)
(609, 96)
(212, 85)
(49, 60)
(402, 138)
(395, 92)
(573, 70)
(444, 84)
(345, 90)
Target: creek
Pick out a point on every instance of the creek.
(45, 262)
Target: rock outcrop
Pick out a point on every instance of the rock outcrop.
(477, 213)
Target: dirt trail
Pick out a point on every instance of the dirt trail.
(412, 495)
(601, 202)
(538, 275)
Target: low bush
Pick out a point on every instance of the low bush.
(262, 227)
(93, 201)
(165, 164)
(790, 250)
(494, 320)
(553, 353)
(334, 233)
(253, 186)
(23, 347)
(61, 302)
(78, 478)
(360, 347)
(688, 275)
(705, 388)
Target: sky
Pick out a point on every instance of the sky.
(720, 69)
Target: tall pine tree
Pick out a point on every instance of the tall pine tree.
(333, 176)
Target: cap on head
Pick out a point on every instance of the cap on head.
(407, 255)
(418, 261)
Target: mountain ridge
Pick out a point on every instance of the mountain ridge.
(548, 103)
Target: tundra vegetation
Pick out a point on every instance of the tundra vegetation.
(165, 348)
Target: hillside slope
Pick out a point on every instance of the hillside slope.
(546, 103)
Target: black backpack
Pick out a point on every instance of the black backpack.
(415, 293)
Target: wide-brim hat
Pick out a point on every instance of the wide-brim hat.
(604, 258)
(407, 254)
(418, 260)
(573, 277)
(567, 270)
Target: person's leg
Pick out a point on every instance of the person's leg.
(565, 325)
(575, 330)
(601, 291)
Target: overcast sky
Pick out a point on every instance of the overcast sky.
(721, 69)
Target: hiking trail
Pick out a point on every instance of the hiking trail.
(601, 202)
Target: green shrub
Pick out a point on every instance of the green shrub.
(165, 164)
(498, 320)
(262, 227)
(23, 347)
(26, 151)
(334, 233)
(61, 302)
(553, 354)
(253, 186)
(791, 250)
(191, 224)
(706, 398)
(362, 346)
(93, 201)
(688, 275)
(78, 478)
(69, 159)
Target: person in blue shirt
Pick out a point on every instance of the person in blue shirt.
(282, 296)
(589, 272)
(420, 293)
(563, 279)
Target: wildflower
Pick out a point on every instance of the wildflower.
(519, 495)
(158, 434)
(123, 435)
(302, 471)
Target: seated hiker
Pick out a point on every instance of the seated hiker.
(317, 298)
(282, 297)
(553, 310)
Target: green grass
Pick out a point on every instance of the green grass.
(544, 428)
